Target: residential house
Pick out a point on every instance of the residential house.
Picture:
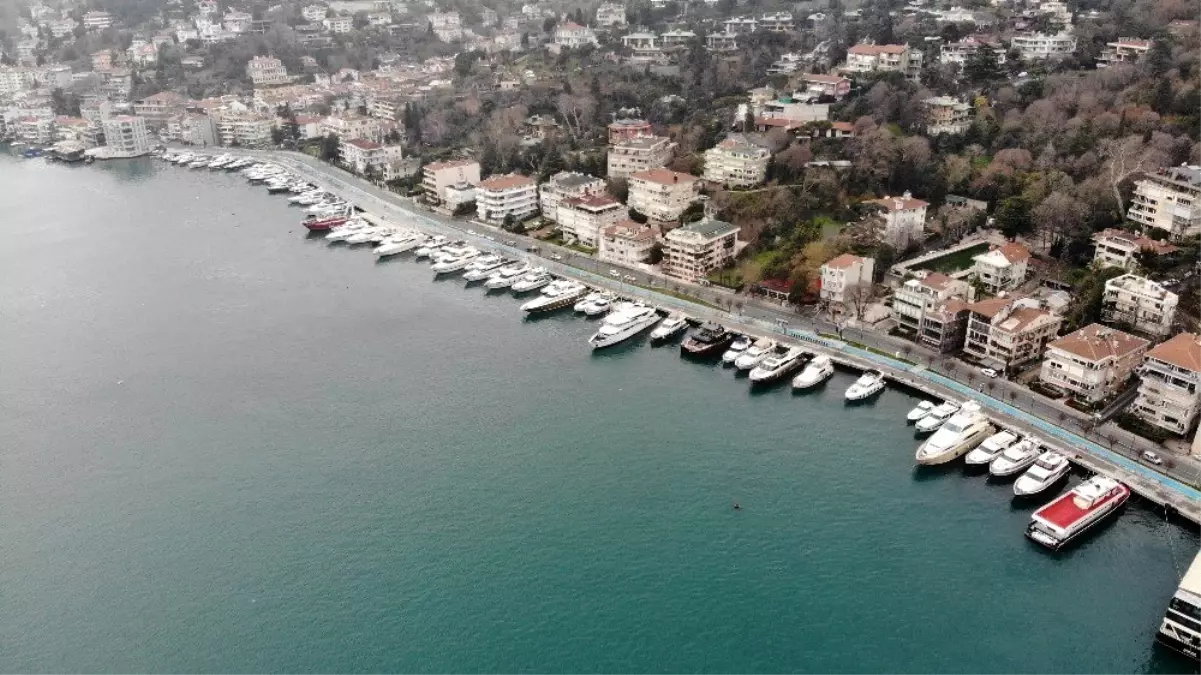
(1094, 363)
(446, 25)
(846, 281)
(338, 24)
(904, 220)
(662, 194)
(644, 47)
(639, 153)
(794, 113)
(566, 185)
(437, 177)
(582, 219)
(97, 20)
(314, 13)
(142, 55)
(963, 50)
(916, 298)
(236, 22)
(626, 243)
(741, 25)
(947, 115)
(1169, 200)
(1118, 248)
(867, 58)
(693, 251)
(160, 106)
(835, 86)
(676, 38)
(722, 42)
(1140, 304)
(266, 71)
(611, 15)
(1007, 333)
(1169, 394)
(1038, 46)
(367, 157)
(737, 161)
(780, 22)
(1002, 268)
(349, 126)
(1125, 50)
(572, 35)
(499, 197)
(102, 60)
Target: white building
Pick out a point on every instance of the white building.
(904, 220)
(960, 52)
(920, 307)
(1169, 200)
(662, 194)
(97, 20)
(639, 153)
(819, 84)
(1169, 395)
(866, 58)
(347, 126)
(1093, 363)
(246, 130)
(446, 25)
(1035, 46)
(780, 22)
(737, 161)
(338, 24)
(1143, 305)
(237, 22)
(1118, 248)
(611, 15)
(363, 156)
(583, 218)
(565, 185)
(314, 13)
(265, 71)
(572, 35)
(15, 79)
(126, 136)
(438, 177)
(692, 251)
(1005, 333)
(845, 278)
(501, 196)
(626, 243)
(644, 47)
(947, 115)
(1125, 50)
(1002, 268)
(741, 25)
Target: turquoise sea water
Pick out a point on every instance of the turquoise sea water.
(228, 447)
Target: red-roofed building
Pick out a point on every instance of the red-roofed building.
(1002, 268)
(826, 85)
(368, 157)
(904, 220)
(867, 58)
(583, 218)
(572, 35)
(1169, 395)
(662, 194)
(844, 278)
(1125, 50)
(510, 195)
(1005, 333)
(1093, 363)
(437, 178)
(626, 243)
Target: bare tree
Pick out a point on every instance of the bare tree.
(860, 296)
(1123, 158)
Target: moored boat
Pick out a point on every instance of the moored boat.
(919, 411)
(506, 276)
(755, 354)
(673, 325)
(319, 223)
(1015, 459)
(1066, 518)
(937, 417)
(736, 348)
(623, 323)
(483, 267)
(869, 384)
(536, 279)
(966, 429)
(708, 339)
(818, 370)
(777, 366)
(558, 295)
(992, 446)
(1046, 471)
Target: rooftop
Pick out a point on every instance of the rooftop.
(905, 202)
(363, 144)
(829, 79)
(875, 50)
(664, 176)
(1095, 342)
(451, 164)
(844, 261)
(507, 182)
(641, 142)
(1183, 350)
(1000, 256)
(1136, 284)
(628, 229)
(707, 227)
(572, 179)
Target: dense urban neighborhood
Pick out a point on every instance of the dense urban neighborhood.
(1013, 187)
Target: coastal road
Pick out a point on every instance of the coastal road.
(1184, 468)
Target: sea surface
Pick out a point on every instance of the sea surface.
(227, 447)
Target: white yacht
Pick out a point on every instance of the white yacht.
(868, 384)
(536, 279)
(601, 305)
(363, 236)
(584, 301)
(966, 429)
(1015, 459)
(818, 370)
(483, 267)
(777, 366)
(381, 234)
(397, 243)
(671, 326)
(736, 348)
(624, 323)
(755, 354)
(1045, 472)
(506, 276)
(346, 231)
(557, 295)
(919, 411)
(432, 244)
(199, 163)
(937, 417)
(458, 262)
(992, 446)
(301, 198)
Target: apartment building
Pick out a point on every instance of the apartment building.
(626, 243)
(1005, 333)
(737, 161)
(944, 326)
(904, 220)
(571, 35)
(780, 22)
(363, 156)
(35, 130)
(638, 153)
(501, 196)
(582, 219)
(662, 194)
(102, 60)
(916, 297)
(245, 130)
(566, 185)
(741, 25)
(722, 42)
(193, 129)
(1140, 304)
(693, 251)
(1118, 248)
(625, 129)
(97, 20)
(960, 52)
(947, 115)
(438, 177)
(1169, 200)
(1093, 363)
(818, 84)
(266, 71)
(1125, 50)
(126, 136)
(338, 24)
(845, 277)
(314, 13)
(347, 126)
(1002, 268)
(1037, 46)
(15, 79)
(611, 15)
(867, 58)
(1169, 395)
(446, 25)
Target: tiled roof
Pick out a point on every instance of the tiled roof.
(936, 280)
(663, 176)
(904, 203)
(363, 144)
(843, 261)
(1095, 342)
(1183, 350)
(454, 163)
(507, 182)
(873, 50)
(990, 306)
(628, 229)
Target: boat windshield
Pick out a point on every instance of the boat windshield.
(952, 427)
(1016, 453)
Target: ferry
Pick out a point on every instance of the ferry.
(1058, 523)
(709, 339)
(322, 223)
(1181, 626)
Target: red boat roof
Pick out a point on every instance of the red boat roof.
(1073, 506)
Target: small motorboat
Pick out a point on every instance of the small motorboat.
(919, 411)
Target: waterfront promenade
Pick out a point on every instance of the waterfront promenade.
(1095, 448)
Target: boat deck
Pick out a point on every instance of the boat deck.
(1063, 511)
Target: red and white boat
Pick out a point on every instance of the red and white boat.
(1066, 518)
(319, 223)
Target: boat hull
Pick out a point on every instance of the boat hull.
(618, 338)
(553, 305)
(1057, 544)
(956, 451)
(705, 349)
(324, 224)
(1177, 645)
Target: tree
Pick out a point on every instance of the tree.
(330, 148)
(1059, 219)
(1159, 57)
(1124, 158)
(982, 67)
(278, 134)
(1013, 216)
(656, 254)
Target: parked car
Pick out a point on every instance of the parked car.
(511, 242)
(556, 256)
(615, 274)
(990, 372)
(1152, 458)
(631, 277)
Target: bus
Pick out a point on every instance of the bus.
(1181, 627)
